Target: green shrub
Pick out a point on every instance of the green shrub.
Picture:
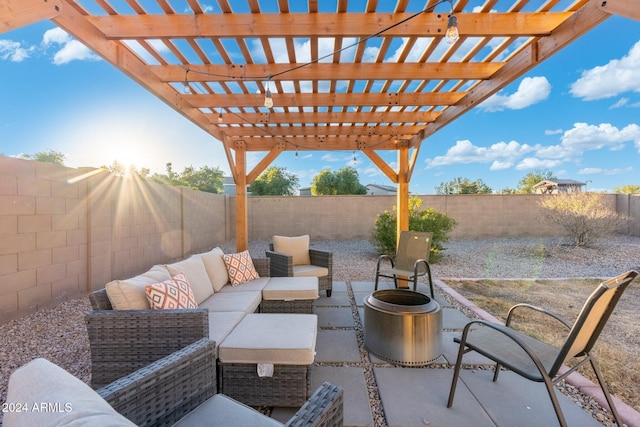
(440, 224)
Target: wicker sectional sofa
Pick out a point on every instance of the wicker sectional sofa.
(125, 334)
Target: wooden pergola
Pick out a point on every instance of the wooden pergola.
(363, 77)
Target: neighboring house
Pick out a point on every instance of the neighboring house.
(377, 190)
(229, 186)
(558, 186)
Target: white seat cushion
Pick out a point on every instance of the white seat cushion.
(221, 410)
(196, 274)
(221, 323)
(68, 401)
(246, 302)
(256, 285)
(291, 289)
(278, 339)
(309, 271)
(130, 294)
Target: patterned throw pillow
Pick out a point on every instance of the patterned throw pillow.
(171, 294)
(240, 268)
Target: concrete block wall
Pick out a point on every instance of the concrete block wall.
(65, 232)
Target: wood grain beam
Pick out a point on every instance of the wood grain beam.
(627, 8)
(284, 117)
(531, 55)
(326, 99)
(286, 131)
(18, 13)
(256, 25)
(328, 143)
(381, 164)
(265, 162)
(329, 71)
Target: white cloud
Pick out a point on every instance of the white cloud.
(573, 144)
(465, 152)
(552, 131)
(620, 103)
(70, 49)
(531, 90)
(13, 51)
(606, 81)
(534, 163)
(600, 171)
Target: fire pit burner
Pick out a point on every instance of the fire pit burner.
(403, 327)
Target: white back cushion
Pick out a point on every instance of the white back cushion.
(193, 269)
(130, 294)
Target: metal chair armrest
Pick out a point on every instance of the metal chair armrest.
(382, 258)
(538, 309)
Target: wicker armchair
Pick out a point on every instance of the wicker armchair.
(122, 341)
(282, 265)
(179, 388)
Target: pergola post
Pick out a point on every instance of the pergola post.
(242, 223)
(403, 188)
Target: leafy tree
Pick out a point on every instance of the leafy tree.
(508, 190)
(525, 186)
(275, 181)
(344, 181)
(206, 178)
(627, 189)
(463, 186)
(49, 156)
(583, 216)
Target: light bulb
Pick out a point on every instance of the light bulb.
(219, 116)
(268, 101)
(187, 88)
(452, 35)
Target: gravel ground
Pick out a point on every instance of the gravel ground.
(59, 334)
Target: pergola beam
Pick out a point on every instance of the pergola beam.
(391, 99)
(18, 13)
(330, 24)
(327, 71)
(317, 117)
(627, 8)
(322, 131)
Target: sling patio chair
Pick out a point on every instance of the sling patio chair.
(411, 260)
(541, 362)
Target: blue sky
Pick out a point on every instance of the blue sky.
(577, 114)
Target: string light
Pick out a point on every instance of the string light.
(219, 116)
(452, 35)
(187, 88)
(354, 158)
(268, 100)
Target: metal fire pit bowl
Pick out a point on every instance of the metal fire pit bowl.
(403, 327)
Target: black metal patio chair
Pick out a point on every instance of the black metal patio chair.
(411, 260)
(541, 362)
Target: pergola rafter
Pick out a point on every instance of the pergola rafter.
(370, 77)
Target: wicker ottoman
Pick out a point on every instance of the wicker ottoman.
(289, 295)
(282, 343)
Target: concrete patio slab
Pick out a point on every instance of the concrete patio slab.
(417, 397)
(515, 401)
(336, 345)
(337, 299)
(453, 319)
(357, 411)
(336, 317)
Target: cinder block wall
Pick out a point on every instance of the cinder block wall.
(65, 232)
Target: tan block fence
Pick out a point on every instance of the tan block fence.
(65, 232)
